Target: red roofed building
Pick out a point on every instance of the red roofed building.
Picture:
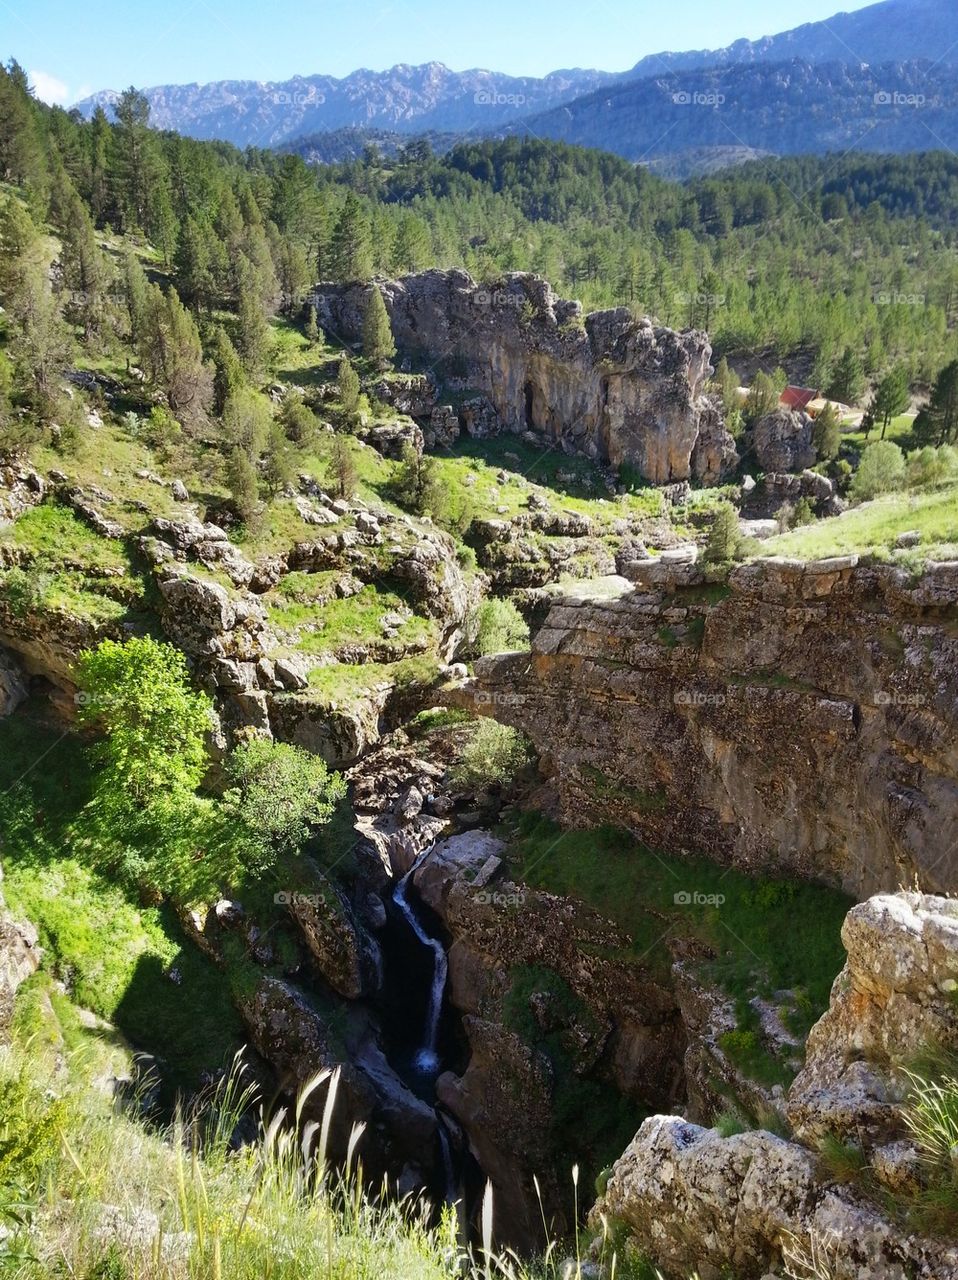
(798, 398)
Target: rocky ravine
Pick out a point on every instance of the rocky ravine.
(752, 1203)
(606, 384)
(797, 716)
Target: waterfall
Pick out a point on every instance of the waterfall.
(427, 1059)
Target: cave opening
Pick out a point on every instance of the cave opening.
(529, 395)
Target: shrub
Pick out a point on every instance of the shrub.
(499, 627)
(930, 466)
(494, 756)
(882, 469)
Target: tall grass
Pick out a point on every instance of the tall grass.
(109, 1198)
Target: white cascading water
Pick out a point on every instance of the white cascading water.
(427, 1059)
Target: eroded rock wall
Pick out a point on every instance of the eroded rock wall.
(754, 1202)
(615, 388)
(796, 716)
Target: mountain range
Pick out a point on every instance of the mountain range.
(882, 78)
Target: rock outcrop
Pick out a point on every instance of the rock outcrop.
(797, 716)
(19, 958)
(749, 1204)
(782, 441)
(605, 384)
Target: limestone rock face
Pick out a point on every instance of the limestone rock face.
(616, 389)
(697, 1202)
(796, 716)
(892, 1000)
(19, 958)
(347, 957)
(782, 441)
(13, 686)
(754, 1204)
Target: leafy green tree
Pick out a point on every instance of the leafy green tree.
(281, 794)
(937, 423)
(891, 398)
(725, 538)
(342, 469)
(827, 434)
(138, 695)
(378, 345)
(847, 384)
(881, 470)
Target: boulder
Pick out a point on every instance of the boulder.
(782, 441)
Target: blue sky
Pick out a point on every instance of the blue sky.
(71, 49)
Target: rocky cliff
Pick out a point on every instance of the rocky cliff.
(613, 387)
(788, 715)
(754, 1202)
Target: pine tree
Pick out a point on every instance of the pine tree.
(254, 338)
(293, 271)
(891, 397)
(85, 270)
(134, 290)
(279, 460)
(724, 538)
(228, 374)
(351, 248)
(243, 486)
(848, 381)
(418, 485)
(827, 434)
(172, 354)
(348, 380)
(193, 264)
(342, 470)
(311, 329)
(937, 423)
(378, 345)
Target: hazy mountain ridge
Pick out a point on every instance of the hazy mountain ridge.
(787, 108)
(405, 99)
(431, 98)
